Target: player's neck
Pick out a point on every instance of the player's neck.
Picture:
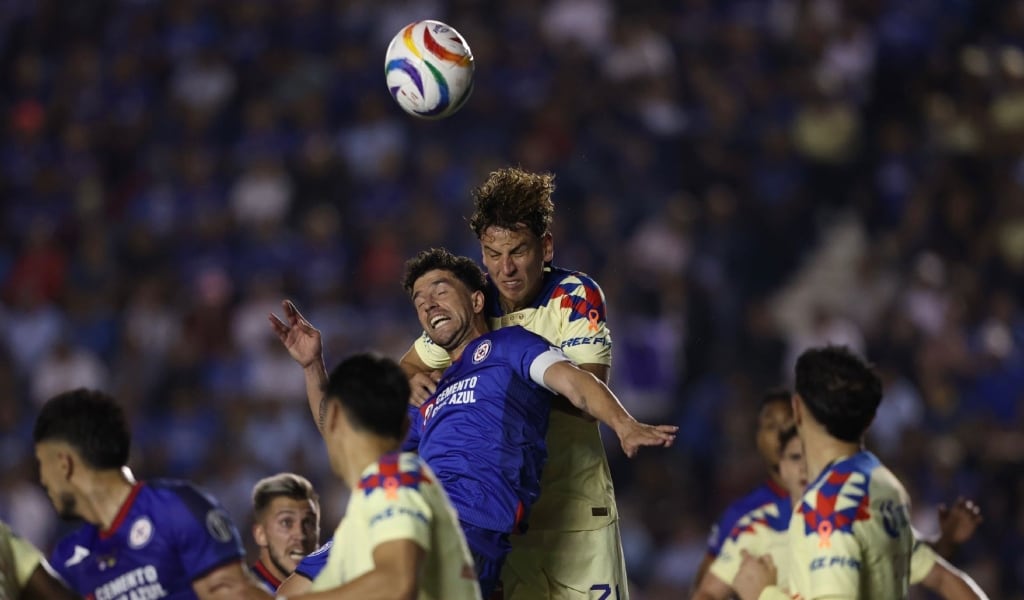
(476, 329)
(821, 449)
(362, 453)
(104, 496)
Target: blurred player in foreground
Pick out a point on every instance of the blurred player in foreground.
(286, 511)
(25, 574)
(572, 548)
(402, 537)
(139, 540)
(758, 523)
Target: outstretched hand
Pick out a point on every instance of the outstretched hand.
(298, 336)
(958, 523)
(636, 435)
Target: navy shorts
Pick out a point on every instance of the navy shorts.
(489, 549)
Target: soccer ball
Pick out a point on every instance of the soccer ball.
(429, 69)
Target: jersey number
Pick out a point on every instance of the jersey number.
(606, 591)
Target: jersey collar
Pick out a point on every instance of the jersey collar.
(266, 575)
(122, 512)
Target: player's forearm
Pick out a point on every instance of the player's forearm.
(316, 378)
(950, 583)
(588, 394)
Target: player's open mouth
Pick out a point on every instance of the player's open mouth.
(296, 555)
(436, 321)
(514, 284)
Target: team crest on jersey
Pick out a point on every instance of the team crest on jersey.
(481, 351)
(218, 525)
(140, 533)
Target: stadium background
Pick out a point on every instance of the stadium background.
(743, 177)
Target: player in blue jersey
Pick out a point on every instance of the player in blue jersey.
(286, 527)
(158, 539)
(483, 430)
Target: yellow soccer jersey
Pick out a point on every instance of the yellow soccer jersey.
(18, 560)
(762, 528)
(576, 485)
(400, 498)
(850, 536)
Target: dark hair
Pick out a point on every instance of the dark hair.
(373, 391)
(464, 269)
(91, 422)
(774, 395)
(282, 485)
(512, 198)
(839, 389)
(786, 436)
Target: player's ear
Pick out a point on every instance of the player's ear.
(547, 245)
(478, 302)
(259, 534)
(66, 464)
(797, 405)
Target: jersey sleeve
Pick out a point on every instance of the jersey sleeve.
(311, 566)
(411, 443)
(432, 355)
(204, 536)
(19, 559)
(401, 513)
(585, 335)
(922, 560)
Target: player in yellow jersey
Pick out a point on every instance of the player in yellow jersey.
(400, 533)
(758, 523)
(849, 535)
(25, 574)
(572, 547)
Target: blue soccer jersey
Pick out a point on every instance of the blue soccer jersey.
(482, 432)
(311, 566)
(166, 535)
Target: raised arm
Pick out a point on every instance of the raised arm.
(587, 393)
(303, 343)
(950, 583)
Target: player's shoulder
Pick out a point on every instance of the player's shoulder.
(395, 472)
(74, 547)
(562, 282)
(321, 552)
(182, 504)
(762, 495)
(188, 494)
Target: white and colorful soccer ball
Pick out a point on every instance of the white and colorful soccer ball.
(429, 69)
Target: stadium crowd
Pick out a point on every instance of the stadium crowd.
(744, 178)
